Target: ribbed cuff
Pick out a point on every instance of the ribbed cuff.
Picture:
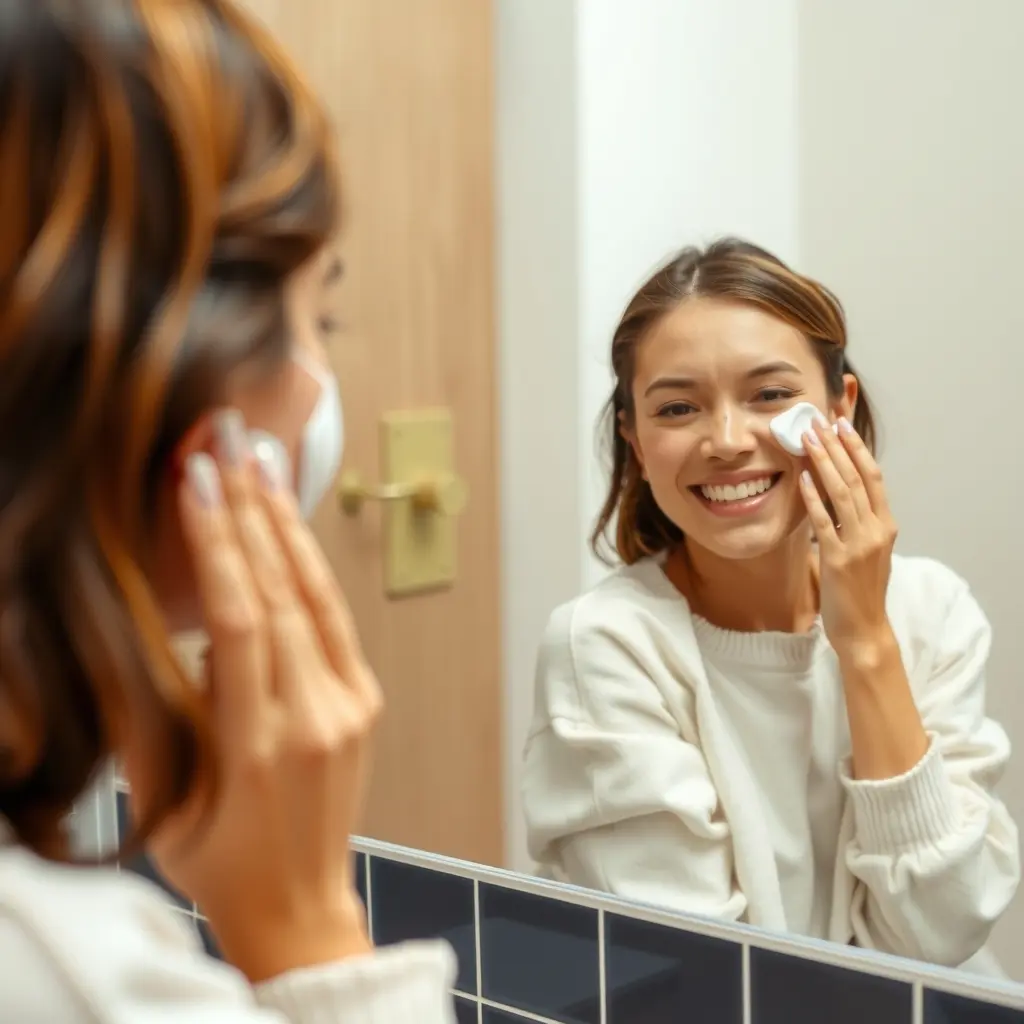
(405, 983)
(907, 812)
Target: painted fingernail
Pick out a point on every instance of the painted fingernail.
(812, 439)
(273, 461)
(845, 426)
(204, 479)
(805, 479)
(232, 444)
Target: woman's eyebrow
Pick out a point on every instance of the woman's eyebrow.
(769, 368)
(687, 383)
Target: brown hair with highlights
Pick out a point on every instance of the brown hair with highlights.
(163, 172)
(733, 270)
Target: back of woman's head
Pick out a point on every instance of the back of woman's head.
(730, 270)
(163, 172)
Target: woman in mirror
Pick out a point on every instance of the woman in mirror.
(764, 715)
(168, 415)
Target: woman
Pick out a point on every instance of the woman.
(765, 715)
(168, 189)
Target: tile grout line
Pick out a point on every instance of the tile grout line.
(748, 1013)
(602, 978)
(479, 953)
(515, 1011)
(917, 1004)
(369, 895)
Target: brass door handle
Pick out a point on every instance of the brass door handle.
(443, 494)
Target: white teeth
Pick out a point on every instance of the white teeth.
(747, 489)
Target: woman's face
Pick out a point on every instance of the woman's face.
(709, 378)
(280, 404)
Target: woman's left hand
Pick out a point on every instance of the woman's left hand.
(855, 555)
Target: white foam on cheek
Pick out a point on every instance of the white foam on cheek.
(789, 427)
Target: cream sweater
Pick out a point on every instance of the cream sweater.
(90, 946)
(707, 771)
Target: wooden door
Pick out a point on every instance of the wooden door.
(409, 85)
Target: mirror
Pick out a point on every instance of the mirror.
(515, 173)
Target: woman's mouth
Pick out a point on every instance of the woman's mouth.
(737, 499)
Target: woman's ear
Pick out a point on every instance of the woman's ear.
(198, 438)
(847, 404)
(628, 434)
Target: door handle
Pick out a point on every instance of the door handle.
(421, 496)
(443, 494)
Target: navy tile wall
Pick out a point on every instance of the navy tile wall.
(209, 942)
(652, 971)
(539, 955)
(465, 1011)
(416, 903)
(492, 1016)
(359, 868)
(141, 864)
(789, 990)
(942, 1008)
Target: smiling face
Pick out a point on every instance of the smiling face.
(709, 378)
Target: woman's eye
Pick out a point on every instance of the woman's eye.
(675, 409)
(774, 394)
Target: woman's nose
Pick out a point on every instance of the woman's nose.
(730, 435)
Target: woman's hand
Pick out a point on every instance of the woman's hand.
(855, 555)
(292, 705)
(886, 732)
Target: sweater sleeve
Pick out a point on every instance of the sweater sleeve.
(407, 983)
(936, 851)
(615, 797)
(83, 948)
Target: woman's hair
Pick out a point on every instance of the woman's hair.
(736, 271)
(163, 172)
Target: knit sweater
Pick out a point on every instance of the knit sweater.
(85, 945)
(709, 771)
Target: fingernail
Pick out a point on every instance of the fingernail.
(204, 479)
(275, 468)
(812, 439)
(845, 426)
(805, 478)
(229, 430)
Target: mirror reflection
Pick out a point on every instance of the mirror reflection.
(628, 643)
(766, 715)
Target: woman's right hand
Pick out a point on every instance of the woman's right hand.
(292, 706)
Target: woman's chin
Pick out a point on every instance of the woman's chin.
(744, 541)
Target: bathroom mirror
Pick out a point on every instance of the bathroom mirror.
(514, 171)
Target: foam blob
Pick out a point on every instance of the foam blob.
(789, 427)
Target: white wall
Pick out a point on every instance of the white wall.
(625, 132)
(912, 209)
(539, 383)
(687, 130)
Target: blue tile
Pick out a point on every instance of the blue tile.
(209, 942)
(790, 990)
(465, 1011)
(540, 955)
(492, 1016)
(651, 971)
(416, 903)
(942, 1008)
(140, 864)
(359, 870)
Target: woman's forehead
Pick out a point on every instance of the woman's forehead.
(708, 336)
